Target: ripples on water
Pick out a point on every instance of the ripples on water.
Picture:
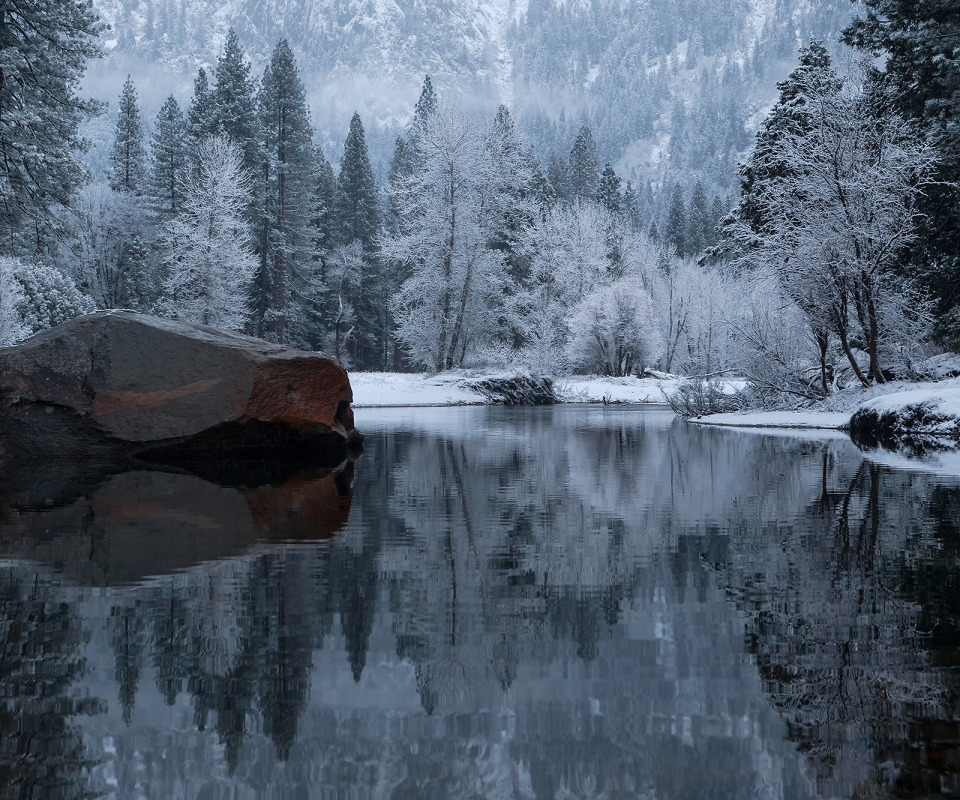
(574, 602)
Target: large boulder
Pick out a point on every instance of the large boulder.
(145, 382)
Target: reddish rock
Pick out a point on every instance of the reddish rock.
(134, 378)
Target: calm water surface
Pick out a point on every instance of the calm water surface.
(572, 602)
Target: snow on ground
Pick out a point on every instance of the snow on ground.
(374, 389)
(779, 419)
(382, 389)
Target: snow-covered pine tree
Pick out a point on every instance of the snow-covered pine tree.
(201, 116)
(169, 150)
(608, 190)
(789, 116)
(128, 160)
(286, 289)
(584, 165)
(358, 220)
(675, 231)
(235, 103)
(699, 223)
(513, 190)
(44, 49)
(207, 251)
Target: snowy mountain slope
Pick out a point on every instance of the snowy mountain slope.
(627, 68)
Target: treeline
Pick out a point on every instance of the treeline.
(835, 267)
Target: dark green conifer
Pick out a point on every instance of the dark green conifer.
(129, 156)
(584, 165)
(169, 167)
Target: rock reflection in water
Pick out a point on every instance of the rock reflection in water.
(146, 522)
(567, 602)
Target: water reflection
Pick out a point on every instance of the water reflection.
(567, 602)
(120, 528)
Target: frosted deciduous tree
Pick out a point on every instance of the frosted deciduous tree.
(207, 252)
(614, 330)
(343, 269)
(44, 50)
(107, 247)
(835, 222)
(447, 308)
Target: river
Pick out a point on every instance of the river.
(566, 602)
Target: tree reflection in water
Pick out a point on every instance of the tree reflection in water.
(564, 602)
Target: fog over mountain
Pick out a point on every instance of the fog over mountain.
(672, 89)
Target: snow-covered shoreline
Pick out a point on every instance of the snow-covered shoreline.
(396, 389)
(907, 408)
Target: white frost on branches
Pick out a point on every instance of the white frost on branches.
(12, 328)
(207, 254)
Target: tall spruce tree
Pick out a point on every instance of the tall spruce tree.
(169, 168)
(675, 232)
(234, 102)
(128, 161)
(358, 220)
(44, 49)
(608, 190)
(789, 115)
(286, 288)
(584, 165)
(201, 117)
(699, 223)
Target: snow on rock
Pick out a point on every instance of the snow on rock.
(926, 409)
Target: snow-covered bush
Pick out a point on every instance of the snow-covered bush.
(49, 297)
(614, 330)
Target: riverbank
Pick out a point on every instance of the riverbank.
(459, 388)
(887, 412)
(891, 411)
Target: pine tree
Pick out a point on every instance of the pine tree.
(128, 159)
(325, 195)
(608, 190)
(699, 224)
(558, 171)
(44, 49)
(169, 157)
(234, 101)
(357, 207)
(676, 229)
(584, 165)
(201, 118)
(358, 220)
(285, 302)
(425, 108)
(789, 116)
(631, 206)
